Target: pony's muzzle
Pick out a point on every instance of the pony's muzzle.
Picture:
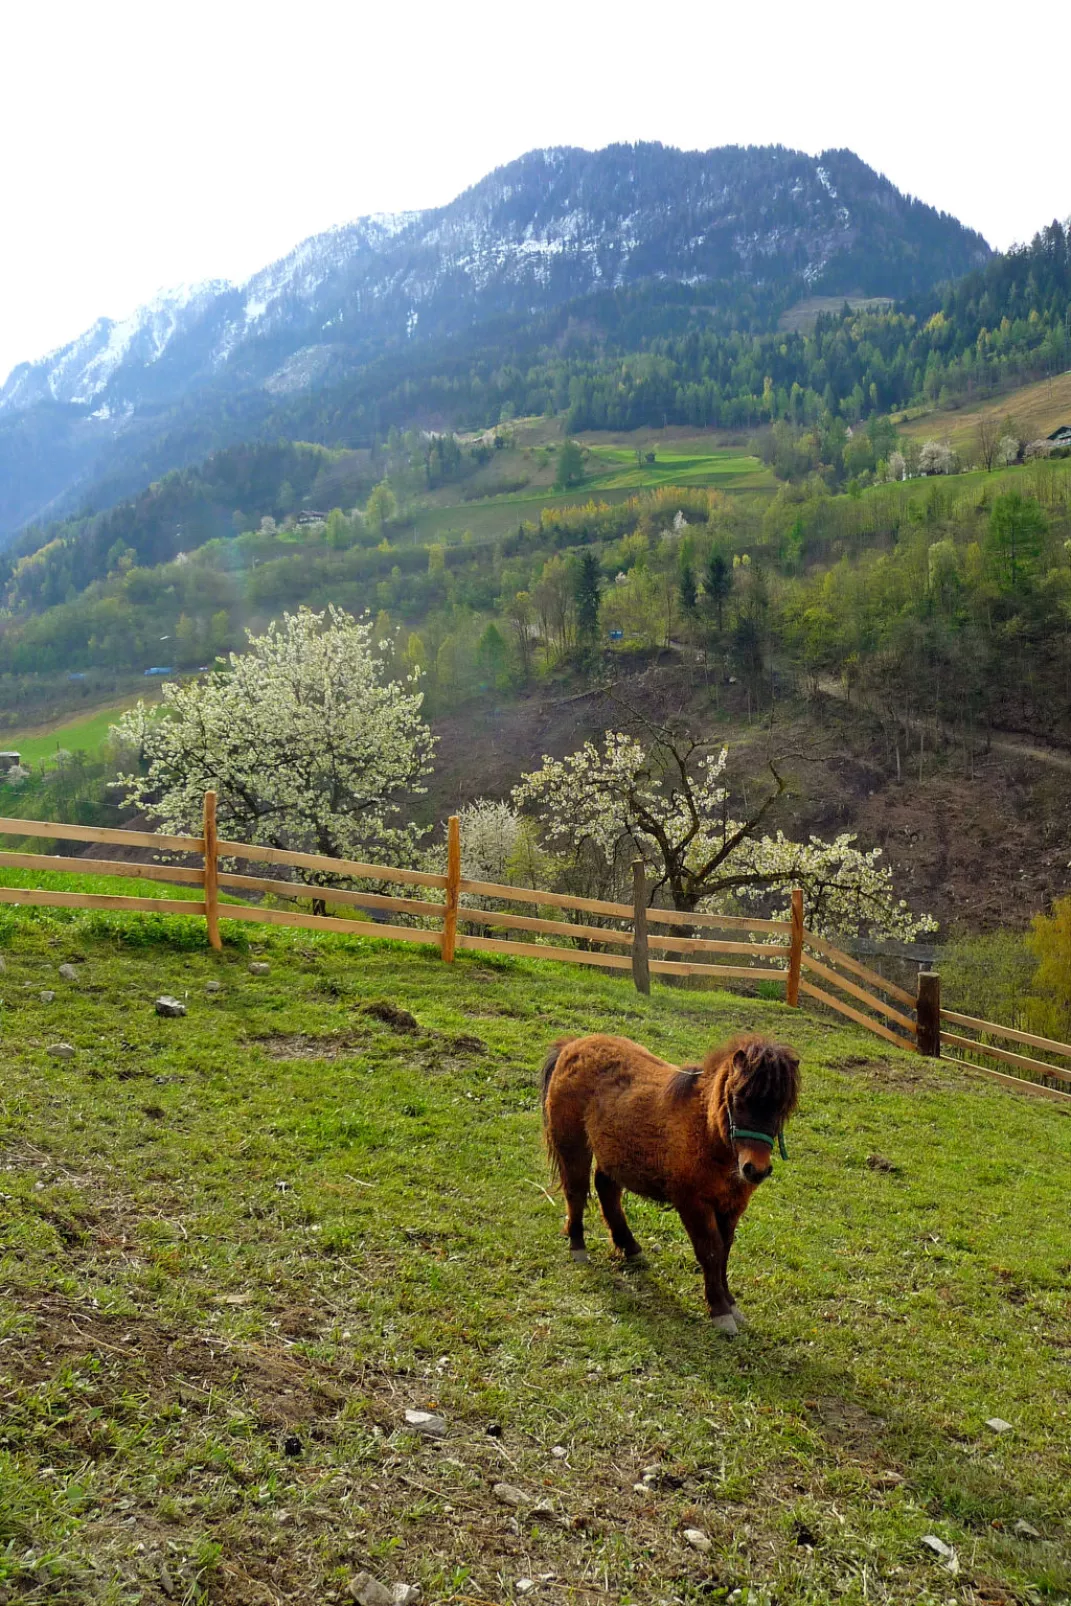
(754, 1173)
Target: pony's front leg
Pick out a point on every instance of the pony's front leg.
(727, 1228)
(701, 1225)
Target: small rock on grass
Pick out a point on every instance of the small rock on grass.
(1025, 1530)
(62, 1051)
(68, 972)
(698, 1540)
(47, 997)
(940, 1549)
(213, 986)
(427, 1423)
(258, 967)
(368, 1591)
(171, 1007)
(509, 1495)
(997, 1424)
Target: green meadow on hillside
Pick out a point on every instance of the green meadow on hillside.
(720, 468)
(82, 735)
(238, 1246)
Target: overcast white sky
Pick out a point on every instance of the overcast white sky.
(146, 144)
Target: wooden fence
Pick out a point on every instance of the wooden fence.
(632, 937)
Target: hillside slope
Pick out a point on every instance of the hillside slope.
(543, 231)
(246, 1242)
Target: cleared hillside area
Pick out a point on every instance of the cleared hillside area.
(1037, 409)
(239, 1245)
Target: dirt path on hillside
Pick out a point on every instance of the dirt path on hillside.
(1054, 757)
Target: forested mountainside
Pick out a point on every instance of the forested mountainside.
(217, 363)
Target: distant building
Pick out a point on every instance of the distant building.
(310, 517)
(158, 669)
(1061, 436)
(8, 761)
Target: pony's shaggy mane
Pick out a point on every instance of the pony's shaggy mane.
(758, 1070)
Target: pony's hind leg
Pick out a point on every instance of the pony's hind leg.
(609, 1193)
(574, 1164)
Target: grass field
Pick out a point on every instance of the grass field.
(1038, 409)
(722, 468)
(236, 1247)
(84, 734)
(612, 475)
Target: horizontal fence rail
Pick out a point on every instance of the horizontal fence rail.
(632, 938)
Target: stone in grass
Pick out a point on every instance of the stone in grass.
(509, 1495)
(171, 1007)
(997, 1424)
(68, 972)
(259, 967)
(698, 1540)
(1025, 1530)
(426, 1423)
(47, 997)
(368, 1591)
(213, 986)
(947, 1556)
(62, 1051)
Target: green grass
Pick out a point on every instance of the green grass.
(722, 469)
(84, 734)
(237, 1246)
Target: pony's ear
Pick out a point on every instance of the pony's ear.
(740, 1060)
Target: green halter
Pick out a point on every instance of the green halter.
(757, 1137)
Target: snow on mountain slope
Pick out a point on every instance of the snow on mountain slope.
(554, 225)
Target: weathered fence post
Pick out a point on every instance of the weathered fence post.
(928, 1014)
(211, 872)
(795, 952)
(453, 887)
(641, 965)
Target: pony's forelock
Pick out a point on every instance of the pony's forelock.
(758, 1070)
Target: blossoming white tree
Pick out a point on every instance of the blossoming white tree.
(306, 742)
(668, 803)
(936, 457)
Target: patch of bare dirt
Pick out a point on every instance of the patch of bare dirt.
(399, 1020)
(301, 1046)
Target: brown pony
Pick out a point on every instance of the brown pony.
(698, 1138)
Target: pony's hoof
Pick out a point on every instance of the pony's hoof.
(738, 1316)
(725, 1324)
(581, 1256)
(636, 1261)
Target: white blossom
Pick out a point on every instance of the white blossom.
(306, 743)
(936, 457)
(671, 807)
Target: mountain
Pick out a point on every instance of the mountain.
(208, 364)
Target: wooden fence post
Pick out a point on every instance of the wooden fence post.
(453, 887)
(211, 872)
(928, 1014)
(795, 953)
(641, 965)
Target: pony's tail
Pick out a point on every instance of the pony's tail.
(549, 1066)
